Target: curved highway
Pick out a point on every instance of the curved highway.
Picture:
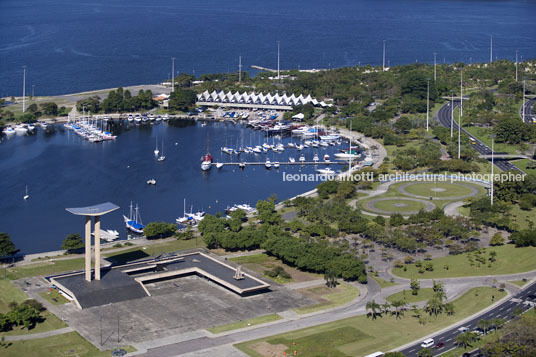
(446, 340)
(530, 116)
(444, 116)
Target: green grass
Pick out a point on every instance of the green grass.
(149, 250)
(426, 189)
(389, 205)
(483, 134)
(510, 260)
(519, 283)
(344, 294)
(522, 217)
(425, 294)
(522, 164)
(69, 344)
(246, 323)
(383, 283)
(358, 336)
(47, 268)
(9, 293)
(54, 297)
(48, 322)
(464, 211)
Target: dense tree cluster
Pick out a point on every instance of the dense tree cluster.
(25, 314)
(159, 230)
(118, 101)
(518, 339)
(7, 247)
(182, 100)
(72, 243)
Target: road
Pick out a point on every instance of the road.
(444, 116)
(530, 116)
(504, 310)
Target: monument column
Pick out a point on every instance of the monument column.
(88, 248)
(97, 248)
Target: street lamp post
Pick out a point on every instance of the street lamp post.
(383, 65)
(427, 102)
(523, 106)
(435, 64)
(24, 90)
(452, 113)
(278, 58)
(239, 69)
(173, 74)
(459, 135)
(491, 49)
(516, 65)
(492, 164)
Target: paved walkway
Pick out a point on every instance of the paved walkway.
(34, 336)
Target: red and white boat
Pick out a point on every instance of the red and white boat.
(206, 163)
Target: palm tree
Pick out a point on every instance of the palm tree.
(484, 325)
(385, 307)
(331, 278)
(425, 352)
(497, 323)
(399, 307)
(449, 308)
(465, 339)
(375, 309)
(433, 306)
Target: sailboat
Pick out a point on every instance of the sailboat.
(26, 196)
(156, 151)
(162, 157)
(185, 218)
(133, 222)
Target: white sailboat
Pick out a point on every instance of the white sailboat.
(26, 196)
(162, 157)
(156, 151)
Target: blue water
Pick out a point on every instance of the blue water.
(72, 46)
(63, 170)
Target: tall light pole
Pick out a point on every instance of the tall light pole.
(492, 164)
(452, 113)
(173, 74)
(460, 135)
(435, 65)
(427, 102)
(278, 50)
(523, 106)
(383, 65)
(461, 92)
(516, 65)
(24, 89)
(33, 87)
(239, 69)
(491, 49)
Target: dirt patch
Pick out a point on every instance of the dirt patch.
(318, 292)
(271, 262)
(268, 350)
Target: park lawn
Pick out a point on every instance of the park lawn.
(389, 205)
(425, 294)
(383, 283)
(49, 322)
(48, 268)
(9, 292)
(522, 164)
(329, 297)
(245, 323)
(54, 297)
(358, 336)
(67, 344)
(464, 211)
(522, 217)
(259, 263)
(483, 134)
(510, 260)
(426, 189)
(152, 250)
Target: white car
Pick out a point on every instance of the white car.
(463, 329)
(427, 343)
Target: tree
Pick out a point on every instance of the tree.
(72, 242)
(159, 230)
(331, 279)
(375, 309)
(484, 324)
(7, 247)
(399, 307)
(434, 306)
(49, 108)
(425, 352)
(414, 285)
(465, 339)
(182, 99)
(497, 239)
(449, 308)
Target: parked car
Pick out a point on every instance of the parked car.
(439, 345)
(427, 343)
(463, 329)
